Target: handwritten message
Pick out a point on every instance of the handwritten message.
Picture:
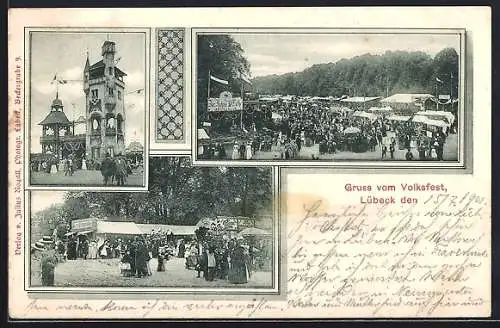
(419, 258)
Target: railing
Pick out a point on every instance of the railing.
(77, 137)
(48, 138)
(110, 131)
(96, 132)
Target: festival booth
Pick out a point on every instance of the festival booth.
(260, 241)
(176, 230)
(399, 118)
(95, 229)
(100, 230)
(381, 111)
(447, 117)
(369, 116)
(360, 103)
(135, 152)
(257, 241)
(407, 103)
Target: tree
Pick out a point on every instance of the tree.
(446, 69)
(369, 75)
(223, 57)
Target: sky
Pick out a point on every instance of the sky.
(282, 53)
(41, 200)
(64, 54)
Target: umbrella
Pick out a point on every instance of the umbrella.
(351, 130)
(254, 232)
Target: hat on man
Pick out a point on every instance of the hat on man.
(38, 246)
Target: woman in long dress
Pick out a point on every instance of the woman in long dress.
(236, 152)
(161, 259)
(249, 151)
(238, 271)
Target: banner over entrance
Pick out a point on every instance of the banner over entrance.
(225, 103)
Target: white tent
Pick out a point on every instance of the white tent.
(419, 119)
(202, 134)
(255, 232)
(438, 113)
(370, 116)
(406, 98)
(380, 109)
(399, 118)
(178, 230)
(118, 228)
(352, 129)
(438, 123)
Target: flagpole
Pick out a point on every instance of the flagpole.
(242, 103)
(208, 94)
(437, 98)
(451, 86)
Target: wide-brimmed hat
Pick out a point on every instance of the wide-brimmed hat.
(38, 246)
(47, 239)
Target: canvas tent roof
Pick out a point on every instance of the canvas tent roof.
(399, 118)
(407, 98)
(380, 109)
(179, 230)
(255, 232)
(359, 99)
(119, 228)
(435, 113)
(370, 116)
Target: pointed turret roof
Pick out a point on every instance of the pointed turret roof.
(56, 116)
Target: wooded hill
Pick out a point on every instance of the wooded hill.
(370, 75)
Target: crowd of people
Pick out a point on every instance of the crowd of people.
(305, 124)
(213, 258)
(113, 169)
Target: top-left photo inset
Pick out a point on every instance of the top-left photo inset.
(86, 109)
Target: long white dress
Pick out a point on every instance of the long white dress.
(53, 169)
(249, 151)
(84, 164)
(236, 153)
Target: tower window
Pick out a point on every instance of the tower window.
(95, 93)
(119, 95)
(110, 70)
(110, 91)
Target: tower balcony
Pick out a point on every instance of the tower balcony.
(95, 132)
(110, 100)
(110, 131)
(48, 138)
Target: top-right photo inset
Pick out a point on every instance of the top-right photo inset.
(308, 97)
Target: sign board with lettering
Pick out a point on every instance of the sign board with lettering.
(444, 97)
(84, 224)
(225, 103)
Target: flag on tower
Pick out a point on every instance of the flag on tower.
(219, 80)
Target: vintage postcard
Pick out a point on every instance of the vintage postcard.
(212, 163)
(86, 114)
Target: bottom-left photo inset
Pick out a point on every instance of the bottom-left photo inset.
(196, 227)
